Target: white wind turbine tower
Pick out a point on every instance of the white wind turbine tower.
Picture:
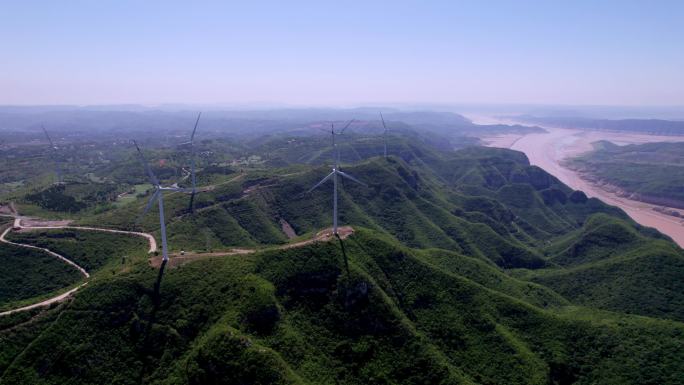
(384, 133)
(158, 196)
(54, 148)
(335, 172)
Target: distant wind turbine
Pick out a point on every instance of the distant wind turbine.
(335, 172)
(192, 162)
(55, 154)
(158, 196)
(384, 133)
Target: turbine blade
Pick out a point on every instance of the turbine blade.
(191, 205)
(150, 174)
(192, 137)
(192, 154)
(322, 181)
(149, 205)
(192, 172)
(346, 126)
(58, 171)
(352, 178)
(384, 135)
(52, 145)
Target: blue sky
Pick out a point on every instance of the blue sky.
(342, 52)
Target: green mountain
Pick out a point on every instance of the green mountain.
(297, 316)
(488, 204)
(466, 267)
(29, 274)
(650, 172)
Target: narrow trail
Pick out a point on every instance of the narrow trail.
(11, 212)
(47, 302)
(54, 299)
(45, 225)
(17, 225)
(175, 260)
(52, 253)
(181, 259)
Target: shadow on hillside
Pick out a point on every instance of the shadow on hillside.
(191, 205)
(344, 254)
(156, 302)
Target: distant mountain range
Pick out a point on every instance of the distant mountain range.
(79, 123)
(646, 126)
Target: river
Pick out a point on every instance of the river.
(548, 150)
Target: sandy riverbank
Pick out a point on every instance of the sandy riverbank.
(549, 150)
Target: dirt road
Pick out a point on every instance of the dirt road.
(322, 236)
(52, 253)
(47, 302)
(52, 300)
(33, 224)
(27, 224)
(549, 150)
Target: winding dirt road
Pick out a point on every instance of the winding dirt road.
(18, 224)
(175, 260)
(52, 253)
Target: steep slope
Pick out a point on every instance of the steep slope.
(30, 273)
(483, 203)
(650, 172)
(298, 316)
(614, 266)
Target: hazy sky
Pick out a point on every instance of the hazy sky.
(342, 52)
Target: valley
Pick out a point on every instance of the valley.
(458, 264)
(550, 150)
(342, 193)
(456, 260)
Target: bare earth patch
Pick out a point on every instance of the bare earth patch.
(33, 222)
(287, 229)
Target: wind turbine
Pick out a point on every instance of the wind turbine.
(192, 161)
(158, 196)
(335, 172)
(54, 148)
(384, 133)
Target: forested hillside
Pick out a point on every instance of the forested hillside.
(467, 267)
(650, 172)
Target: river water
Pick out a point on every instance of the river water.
(549, 150)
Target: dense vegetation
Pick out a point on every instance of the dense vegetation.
(72, 197)
(28, 273)
(89, 249)
(298, 316)
(651, 172)
(466, 267)
(488, 204)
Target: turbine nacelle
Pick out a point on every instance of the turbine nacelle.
(158, 197)
(335, 172)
